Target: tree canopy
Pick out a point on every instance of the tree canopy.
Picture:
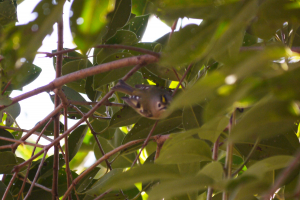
(230, 132)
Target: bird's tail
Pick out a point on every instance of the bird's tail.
(123, 87)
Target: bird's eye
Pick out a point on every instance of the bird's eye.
(159, 105)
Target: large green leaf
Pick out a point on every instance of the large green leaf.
(119, 17)
(23, 41)
(8, 12)
(113, 75)
(123, 37)
(186, 151)
(124, 117)
(269, 117)
(6, 134)
(144, 125)
(88, 22)
(192, 117)
(138, 25)
(8, 161)
(86, 181)
(119, 161)
(3, 188)
(75, 140)
(173, 188)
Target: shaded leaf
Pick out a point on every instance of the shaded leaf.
(186, 151)
(75, 140)
(8, 161)
(124, 117)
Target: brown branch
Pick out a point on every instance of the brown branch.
(9, 185)
(103, 194)
(214, 157)
(135, 60)
(36, 176)
(109, 46)
(94, 103)
(160, 140)
(6, 86)
(173, 27)
(118, 46)
(100, 160)
(145, 143)
(36, 184)
(176, 74)
(58, 67)
(94, 134)
(182, 78)
(21, 142)
(247, 158)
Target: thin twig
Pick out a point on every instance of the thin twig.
(21, 142)
(36, 176)
(247, 158)
(283, 176)
(94, 134)
(36, 184)
(56, 130)
(9, 185)
(182, 78)
(48, 117)
(229, 150)
(176, 74)
(6, 86)
(214, 157)
(145, 143)
(103, 194)
(94, 103)
(160, 140)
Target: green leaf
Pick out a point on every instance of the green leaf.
(27, 73)
(124, 117)
(73, 66)
(86, 181)
(6, 134)
(214, 170)
(68, 57)
(123, 37)
(189, 44)
(47, 168)
(139, 7)
(143, 173)
(119, 17)
(152, 77)
(23, 41)
(269, 117)
(8, 12)
(8, 161)
(138, 25)
(186, 151)
(285, 144)
(119, 161)
(192, 117)
(88, 22)
(75, 140)
(113, 75)
(144, 125)
(3, 187)
(97, 187)
(209, 131)
(50, 129)
(173, 188)
(12, 112)
(269, 164)
(202, 89)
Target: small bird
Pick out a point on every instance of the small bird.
(148, 100)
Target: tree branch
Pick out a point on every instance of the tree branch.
(135, 60)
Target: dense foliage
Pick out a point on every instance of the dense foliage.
(229, 133)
